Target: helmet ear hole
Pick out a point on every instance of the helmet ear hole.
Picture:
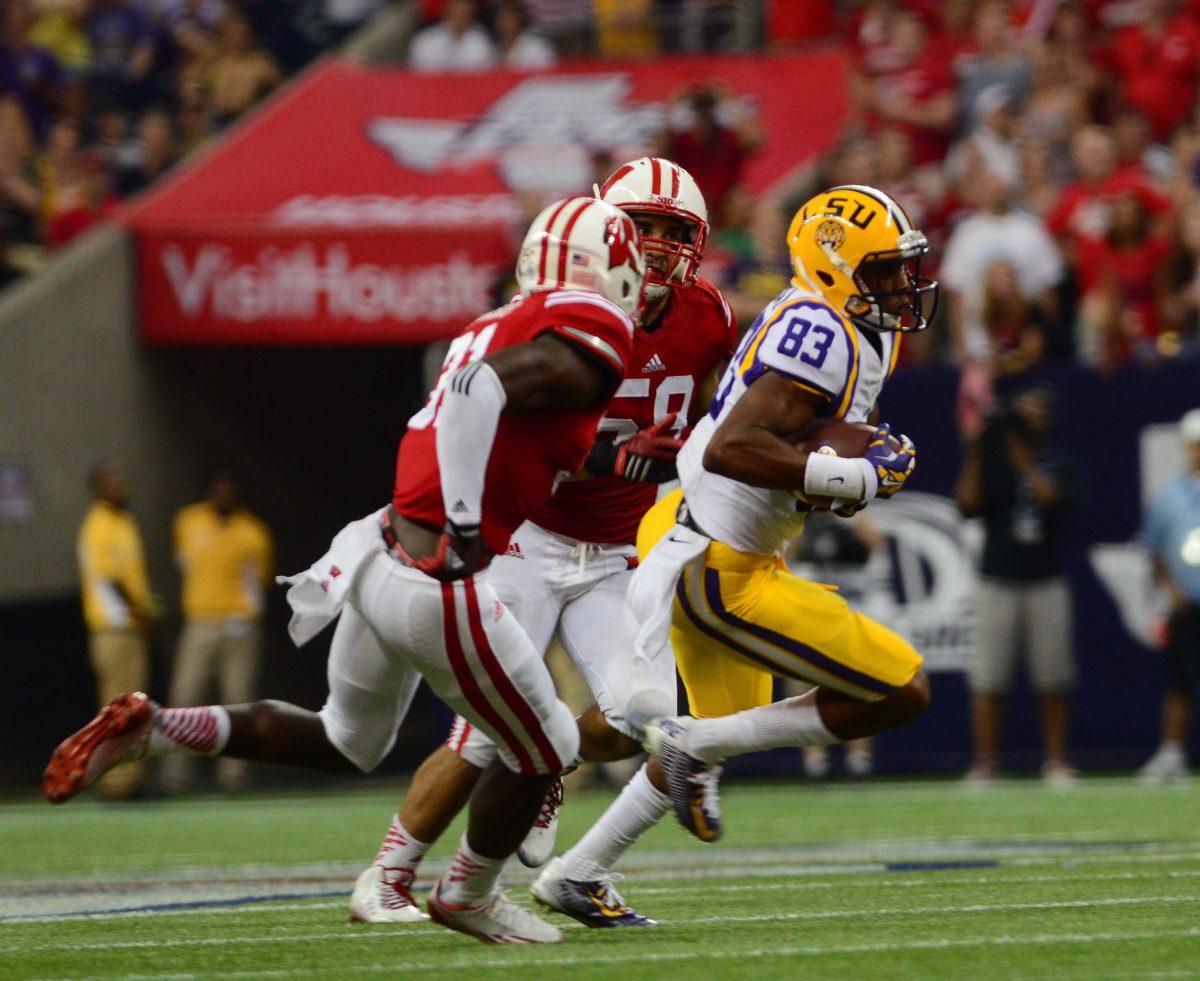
(825, 278)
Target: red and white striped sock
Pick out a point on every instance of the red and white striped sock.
(471, 876)
(203, 730)
(400, 853)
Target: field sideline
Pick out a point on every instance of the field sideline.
(888, 879)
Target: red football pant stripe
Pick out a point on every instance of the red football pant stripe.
(512, 698)
(470, 687)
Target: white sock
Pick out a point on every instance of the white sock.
(790, 722)
(471, 876)
(638, 808)
(400, 853)
(203, 730)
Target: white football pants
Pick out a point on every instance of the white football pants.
(399, 625)
(551, 584)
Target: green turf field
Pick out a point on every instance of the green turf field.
(886, 880)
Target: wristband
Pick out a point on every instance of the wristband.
(851, 479)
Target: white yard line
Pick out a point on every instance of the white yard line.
(557, 959)
(861, 876)
(391, 936)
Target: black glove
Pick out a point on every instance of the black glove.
(647, 457)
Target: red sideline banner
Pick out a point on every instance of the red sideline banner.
(381, 286)
(367, 205)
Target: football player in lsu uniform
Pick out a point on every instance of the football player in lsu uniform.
(822, 349)
(733, 616)
(516, 407)
(566, 570)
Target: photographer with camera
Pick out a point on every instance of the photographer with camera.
(1015, 481)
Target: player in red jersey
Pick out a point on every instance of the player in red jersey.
(516, 407)
(566, 569)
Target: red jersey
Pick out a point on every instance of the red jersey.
(669, 364)
(532, 449)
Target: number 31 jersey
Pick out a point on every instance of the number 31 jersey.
(665, 374)
(800, 337)
(531, 449)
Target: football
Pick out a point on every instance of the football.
(835, 436)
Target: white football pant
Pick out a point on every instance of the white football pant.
(552, 583)
(398, 626)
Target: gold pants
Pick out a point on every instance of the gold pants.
(121, 662)
(215, 657)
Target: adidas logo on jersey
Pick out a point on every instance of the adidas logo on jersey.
(514, 550)
(653, 365)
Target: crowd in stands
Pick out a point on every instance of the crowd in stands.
(1051, 150)
(100, 97)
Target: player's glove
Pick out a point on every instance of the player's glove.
(893, 464)
(647, 457)
(460, 553)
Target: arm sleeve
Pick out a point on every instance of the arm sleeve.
(466, 429)
(811, 346)
(1154, 529)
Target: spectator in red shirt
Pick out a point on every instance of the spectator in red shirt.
(917, 94)
(1082, 211)
(1125, 277)
(713, 153)
(1157, 64)
(92, 202)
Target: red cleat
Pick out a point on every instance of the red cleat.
(119, 734)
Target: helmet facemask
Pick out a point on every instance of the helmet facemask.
(875, 307)
(682, 258)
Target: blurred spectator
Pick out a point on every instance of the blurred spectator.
(1019, 485)
(1054, 112)
(519, 46)
(1182, 312)
(1082, 211)
(30, 73)
(567, 23)
(1138, 156)
(713, 151)
(1124, 276)
(996, 67)
(122, 41)
(9, 273)
(1012, 323)
(342, 17)
(117, 604)
(993, 138)
(91, 201)
(196, 126)
(1156, 63)
(996, 232)
(242, 71)
(456, 44)
(225, 555)
(625, 28)
(150, 156)
(60, 28)
(1172, 536)
(908, 84)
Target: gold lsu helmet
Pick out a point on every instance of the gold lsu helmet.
(844, 241)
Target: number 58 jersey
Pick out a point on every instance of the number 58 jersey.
(665, 375)
(801, 338)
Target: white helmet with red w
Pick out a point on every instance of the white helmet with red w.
(587, 244)
(652, 185)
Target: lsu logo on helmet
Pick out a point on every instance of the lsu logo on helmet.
(855, 246)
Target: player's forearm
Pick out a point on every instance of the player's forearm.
(467, 424)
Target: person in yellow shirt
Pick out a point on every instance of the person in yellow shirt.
(117, 603)
(225, 555)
